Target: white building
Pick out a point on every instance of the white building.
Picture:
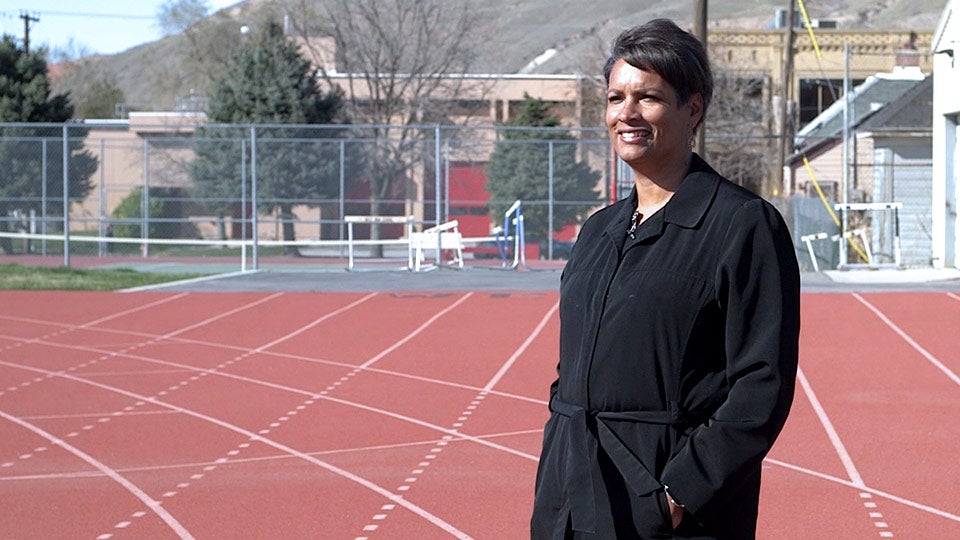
(946, 143)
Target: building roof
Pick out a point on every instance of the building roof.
(913, 111)
(865, 100)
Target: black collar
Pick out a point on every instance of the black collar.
(686, 208)
(692, 199)
(690, 202)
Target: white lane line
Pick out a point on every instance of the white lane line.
(126, 312)
(304, 329)
(955, 297)
(437, 445)
(198, 476)
(151, 337)
(140, 345)
(868, 489)
(414, 333)
(520, 350)
(856, 479)
(149, 501)
(201, 372)
(312, 324)
(841, 450)
(465, 414)
(297, 391)
(441, 429)
(277, 354)
(62, 326)
(932, 359)
(218, 316)
(398, 499)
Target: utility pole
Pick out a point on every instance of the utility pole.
(786, 85)
(700, 30)
(27, 19)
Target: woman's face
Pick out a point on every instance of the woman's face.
(648, 129)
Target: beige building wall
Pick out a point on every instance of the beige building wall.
(826, 168)
(871, 52)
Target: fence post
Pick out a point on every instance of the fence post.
(550, 204)
(253, 195)
(43, 197)
(102, 229)
(343, 192)
(145, 201)
(66, 196)
(446, 177)
(243, 205)
(437, 177)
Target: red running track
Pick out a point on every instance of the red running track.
(417, 415)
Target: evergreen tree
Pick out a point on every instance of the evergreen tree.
(519, 168)
(270, 85)
(25, 97)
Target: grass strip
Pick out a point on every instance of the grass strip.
(37, 278)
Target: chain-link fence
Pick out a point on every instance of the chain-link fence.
(277, 191)
(155, 190)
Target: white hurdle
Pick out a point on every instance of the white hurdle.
(406, 220)
(440, 238)
(808, 238)
(877, 233)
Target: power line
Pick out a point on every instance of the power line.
(90, 15)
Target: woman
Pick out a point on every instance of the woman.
(679, 326)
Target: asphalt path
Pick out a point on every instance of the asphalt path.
(496, 279)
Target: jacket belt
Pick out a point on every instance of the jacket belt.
(581, 458)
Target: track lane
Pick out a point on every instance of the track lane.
(174, 333)
(804, 479)
(256, 437)
(915, 319)
(869, 388)
(154, 505)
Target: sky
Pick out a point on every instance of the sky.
(96, 26)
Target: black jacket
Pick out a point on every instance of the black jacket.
(678, 354)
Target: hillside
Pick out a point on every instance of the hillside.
(582, 30)
(578, 32)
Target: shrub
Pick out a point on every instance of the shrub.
(163, 215)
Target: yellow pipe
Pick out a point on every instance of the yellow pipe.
(826, 204)
(806, 21)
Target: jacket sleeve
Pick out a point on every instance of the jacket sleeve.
(757, 285)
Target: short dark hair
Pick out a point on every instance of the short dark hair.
(671, 52)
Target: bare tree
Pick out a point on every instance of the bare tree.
(738, 128)
(175, 16)
(202, 43)
(205, 42)
(399, 64)
(91, 86)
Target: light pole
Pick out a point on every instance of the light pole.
(700, 30)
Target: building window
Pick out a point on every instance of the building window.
(818, 94)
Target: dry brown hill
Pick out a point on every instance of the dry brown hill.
(576, 31)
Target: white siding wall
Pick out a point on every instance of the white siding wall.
(946, 111)
(902, 173)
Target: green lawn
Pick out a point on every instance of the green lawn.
(35, 278)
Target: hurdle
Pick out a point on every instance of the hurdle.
(809, 238)
(440, 238)
(880, 231)
(407, 221)
(514, 215)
